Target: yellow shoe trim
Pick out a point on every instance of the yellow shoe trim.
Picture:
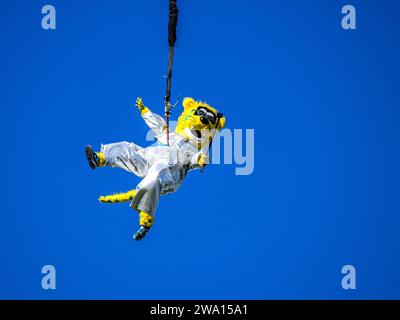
(102, 158)
(146, 219)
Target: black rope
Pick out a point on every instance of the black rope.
(172, 24)
(169, 75)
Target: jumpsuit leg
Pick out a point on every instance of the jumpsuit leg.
(149, 190)
(127, 156)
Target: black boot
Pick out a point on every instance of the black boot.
(92, 157)
(141, 233)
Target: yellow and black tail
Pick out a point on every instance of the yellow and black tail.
(118, 197)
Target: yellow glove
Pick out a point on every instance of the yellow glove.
(203, 160)
(142, 108)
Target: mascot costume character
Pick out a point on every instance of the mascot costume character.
(163, 166)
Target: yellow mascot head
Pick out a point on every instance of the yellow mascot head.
(199, 122)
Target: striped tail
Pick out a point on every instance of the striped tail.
(118, 197)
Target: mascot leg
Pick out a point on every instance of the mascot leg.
(123, 155)
(148, 194)
(146, 221)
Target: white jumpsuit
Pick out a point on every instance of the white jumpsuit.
(162, 167)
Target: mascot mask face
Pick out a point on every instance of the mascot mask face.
(198, 117)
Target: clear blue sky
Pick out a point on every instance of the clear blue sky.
(324, 104)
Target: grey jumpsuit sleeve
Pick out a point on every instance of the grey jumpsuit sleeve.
(156, 123)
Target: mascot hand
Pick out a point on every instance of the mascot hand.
(139, 104)
(203, 161)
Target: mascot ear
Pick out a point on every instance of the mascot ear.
(221, 123)
(189, 103)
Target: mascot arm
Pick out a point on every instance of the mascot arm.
(201, 158)
(155, 122)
